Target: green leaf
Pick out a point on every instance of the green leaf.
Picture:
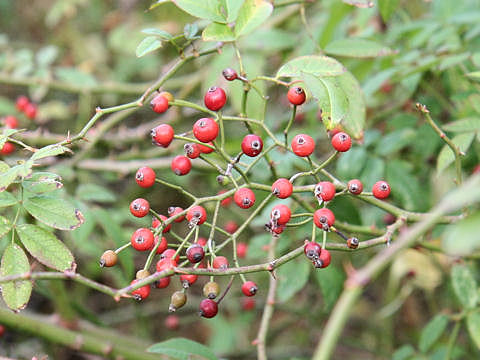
(292, 277)
(147, 45)
(357, 48)
(14, 261)
(474, 75)
(394, 141)
(341, 101)
(5, 134)
(387, 8)
(9, 176)
(51, 150)
(3, 167)
(45, 247)
(463, 125)
(42, 182)
(446, 156)
(351, 163)
(157, 32)
(465, 286)
(405, 186)
(72, 75)
(205, 9)
(233, 8)
(432, 332)
(313, 65)
(5, 225)
(330, 280)
(473, 326)
(182, 349)
(218, 32)
(7, 106)
(403, 353)
(54, 212)
(463, 237)
(7, 199)
(252, 14)
(190, 30)
(93, 192)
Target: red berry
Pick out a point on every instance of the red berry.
(312, 250)
(248, 303)
(195, 253)
(142, 239)
(142, 292)
(277, 230)
(174, 210)
(208, 308)
(281, 214)
(249, 288)
(145, 177)
(156, 223)
(7, 148)
(168, 254)
(296, 95)
(159, 104)
(188, 279)
(181, 165)
(163, 282)
(220, 262)
(215, 98)
(196, 215)
(192, 150)
(476, 169)
(282, 188)
(244, 197)
(172, 322)
(229, 74)
(11, 122)
(303, 145)
(381, 189)
(202, 241)
(341, 142)
(323, 218)
(325, 190)
(242, 249)
(162, 135)
(355, 187)
(22, 102)
(231, 226)
(30, 111)
(205, 129)
(206, 149)
(252, 145)
(139, 207)
(163, 244)
(227, 201)
(323, 260)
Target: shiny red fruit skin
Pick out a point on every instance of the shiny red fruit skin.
(139, 207)
(11, 122)
(7, 148)
(181, 165)
(142, 292)
(197, 212)
(174, 210)
(163, 244)
(205, 130)
(244, 198)
(162, 135)
(215, 98)
(30, 111)
(296, 95)
(325, 190)
(303, 145)
(312, 249)
(156, 223)
(282, 188)
(325, 258)
(159, 104)
(208, 308)
(205, 149)
(252, 145)
(142, 239)
(145, 177)
(341, 142)
(22, 102)
(249, 288)
(324, 212)
(193, 150)
(242, 249)
(355, 187)
(220, 262)
(195, 253)
(284, 213)
(381, 189)
(168, 254)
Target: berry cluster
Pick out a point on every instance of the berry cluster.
(200, 252)
(29, 110)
